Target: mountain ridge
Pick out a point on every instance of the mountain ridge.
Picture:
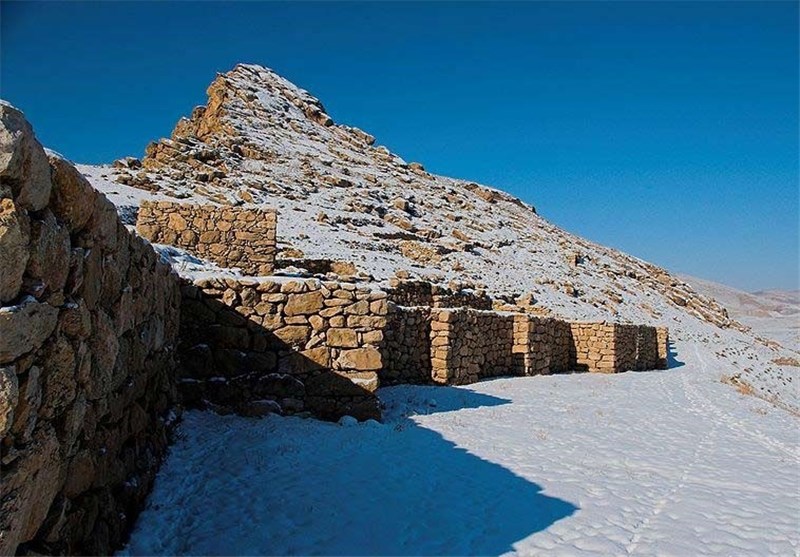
(263, 141)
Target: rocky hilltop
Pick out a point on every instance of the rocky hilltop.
(262, 141)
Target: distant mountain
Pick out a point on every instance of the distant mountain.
(774, 314)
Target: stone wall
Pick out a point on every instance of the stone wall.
(231, 237)
(258, 345)
(468, 345)
(541, 345)
(662, 340)
(88, 324)
(424, 293)
(592, 347)
(625, 347)
(613, 347)
(646, 348)
(406, 348)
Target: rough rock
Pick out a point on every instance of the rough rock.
(14, 238)
(73, 196)
(9, 392)
(24, 170)
(24, 328)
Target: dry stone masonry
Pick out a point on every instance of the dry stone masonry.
(541, 345)
(257, 345)
(231, 237)
(100, 341)
(424, 293)
(468, 345)
(88, 325)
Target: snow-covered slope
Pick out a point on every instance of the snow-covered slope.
(262, 140)
(661, 463)
(773, 314)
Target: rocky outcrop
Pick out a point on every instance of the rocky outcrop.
(88, 325)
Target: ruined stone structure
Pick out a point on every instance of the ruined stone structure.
(231, 237)
(424, 293)
(662, 343)
(467, 345)
(256, 345)
(406, 346)
(541, 345)
(88, 326)
(100, 341)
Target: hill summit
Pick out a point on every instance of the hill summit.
(262, 141)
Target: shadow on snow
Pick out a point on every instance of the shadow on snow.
(310, 487)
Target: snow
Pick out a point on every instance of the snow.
(667, 463)
(771, 314)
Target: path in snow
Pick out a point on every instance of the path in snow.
(667, 463)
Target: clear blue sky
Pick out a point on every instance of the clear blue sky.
(668, 130)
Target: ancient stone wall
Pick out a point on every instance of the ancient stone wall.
(231, 237)
(410, 292)
(646, 348)
(468, 345)
(88, 324)
(424, 293)
(541, 345)
(592, 347)
(406, 348)
(450, 298)
(613, 347)
(662, 340)
(258, 345)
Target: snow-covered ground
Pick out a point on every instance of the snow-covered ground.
(774, 314)
(667, 463)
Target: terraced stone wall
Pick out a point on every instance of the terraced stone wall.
(264, 345)
(88, 325)
(231, 237)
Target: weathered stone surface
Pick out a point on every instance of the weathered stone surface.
(73, 197)
(24, 170)
(59, 377)
(304, 304)
(9, 392)
(24, 328)
(104, 346)
(293, 334)
(27, 490)
(342, 338)
(14, 254)
(29, 401)
(367, 358)
(50, 252)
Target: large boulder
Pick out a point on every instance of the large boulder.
(24, 169)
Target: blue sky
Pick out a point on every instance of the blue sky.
(666, 129)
